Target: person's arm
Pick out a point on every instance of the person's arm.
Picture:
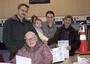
(42, 36)
(76, 41)
(55, 38)
(7, 36)
(48, 58)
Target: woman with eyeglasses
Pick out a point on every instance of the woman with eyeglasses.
(38, 52)
(49, 28)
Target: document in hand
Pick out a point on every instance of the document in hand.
(58, 54)
(22, 60)
(63, 44)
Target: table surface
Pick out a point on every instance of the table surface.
(73, 59)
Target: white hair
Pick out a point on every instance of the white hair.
(29, 34)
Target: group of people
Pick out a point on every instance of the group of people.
(34, 39)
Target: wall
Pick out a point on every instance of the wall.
(60, 7)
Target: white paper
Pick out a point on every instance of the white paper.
(6, 63)
(57, 54)
(63, 44)
(82, 60)
(22, 60)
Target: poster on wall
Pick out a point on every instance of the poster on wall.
(39, 1)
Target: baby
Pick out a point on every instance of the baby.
(38, 26)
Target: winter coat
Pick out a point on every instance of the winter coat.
(74, 39)
(14, 32)
(39, 54)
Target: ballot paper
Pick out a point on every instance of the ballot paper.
(82, 60)
(57, 54)
(63, 45)
(22, 60)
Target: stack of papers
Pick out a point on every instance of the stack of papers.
(82, 60)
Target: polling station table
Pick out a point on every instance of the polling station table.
(73, 59)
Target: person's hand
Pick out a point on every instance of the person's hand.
(68, 47)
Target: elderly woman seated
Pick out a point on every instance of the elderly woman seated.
(36, 50)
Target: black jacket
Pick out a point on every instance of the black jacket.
(74, 39)
(14, 32)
